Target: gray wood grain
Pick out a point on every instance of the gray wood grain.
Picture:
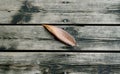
(57, 63)
(57, 11)
(38, 38)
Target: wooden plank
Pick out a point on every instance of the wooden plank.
(79, 70)
(67, 58)
(60, 18)
(37, 38)
(62, 12)
(74, 18)
(5, 16)
(52, 63)
(64, 5)
(12, 5)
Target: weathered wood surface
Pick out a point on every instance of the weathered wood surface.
(60, 11)
(59, 63)
(37, 38)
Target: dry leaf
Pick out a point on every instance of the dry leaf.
(61, 34)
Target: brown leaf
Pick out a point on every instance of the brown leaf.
(61, 34)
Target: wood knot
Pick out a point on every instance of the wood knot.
(65, 20)
(65, 2)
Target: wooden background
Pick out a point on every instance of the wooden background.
(65, 12)
(59, 63)
(60, 11)
(38, 38)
